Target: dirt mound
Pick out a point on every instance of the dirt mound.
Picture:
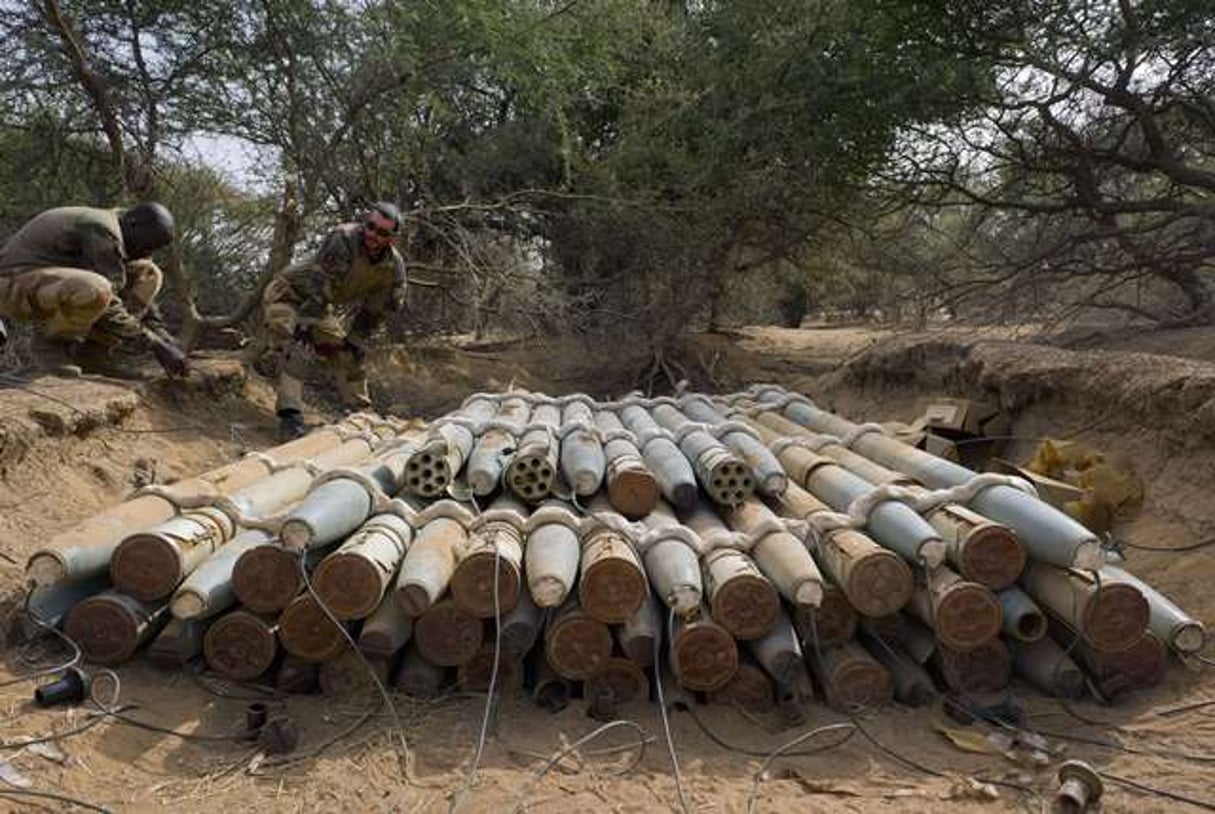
(70, 447)
(1172, 395)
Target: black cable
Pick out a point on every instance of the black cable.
(1084, 719)
(58, 736)
(1116, 544)
(1130, 750)
(263, 693)
(62, 798)
(1169, 712)
(906, 761)
(112, 710)
(1165, 793)
(680, 706)
(822, 667)
(176, 733)
(322, 746)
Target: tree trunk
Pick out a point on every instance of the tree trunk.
(288, 221)
(93, 85)
(1197, 292)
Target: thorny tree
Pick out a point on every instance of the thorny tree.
(1093, 157)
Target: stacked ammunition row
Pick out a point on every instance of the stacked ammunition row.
(760, 548)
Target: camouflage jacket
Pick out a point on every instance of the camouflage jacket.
(70, 237)
(79, 237)
(342, 276)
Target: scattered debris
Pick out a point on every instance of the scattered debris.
(1079, 787)
(12, 776)
(811, 786)
(968, 788)
(50, 751)
(143, 472)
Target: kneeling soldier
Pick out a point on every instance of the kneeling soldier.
(83, 277)
(329, 305)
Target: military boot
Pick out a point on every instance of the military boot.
(54, 355)
(113, 361)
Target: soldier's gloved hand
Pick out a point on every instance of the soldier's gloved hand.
(357, 348)
(152, 320)
(170, 356)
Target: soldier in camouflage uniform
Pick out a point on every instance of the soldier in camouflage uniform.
(83, 277)
(328, 306)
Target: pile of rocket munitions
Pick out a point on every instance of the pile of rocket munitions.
(757, 546)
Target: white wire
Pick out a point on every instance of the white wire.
(493, 681)
(662, 708)
(399, 728)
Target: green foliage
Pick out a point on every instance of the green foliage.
(43, 165)
(654, 165)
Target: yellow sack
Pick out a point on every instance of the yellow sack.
(1110, 488)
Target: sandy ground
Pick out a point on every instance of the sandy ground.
(58, 465)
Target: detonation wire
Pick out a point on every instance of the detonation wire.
(680, 706)
(296, 757)
(1115, 544)
(1170, 712)
(219, 690)
(62, 798)
(493, 676)
(822, 671)
(662, 708)
(44, 625)
(1169, 795)
(642, 740)
(1105, 744)
(849, 728)
(399, 728)
(112, 709)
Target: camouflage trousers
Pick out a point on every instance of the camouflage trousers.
(299, 345)
(76, 303)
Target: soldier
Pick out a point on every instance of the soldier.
(83, 277)
(329, 306)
